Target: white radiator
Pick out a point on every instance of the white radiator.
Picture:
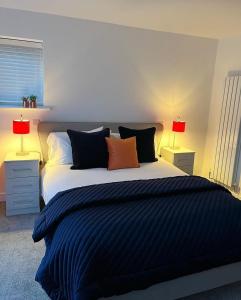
(226, 167)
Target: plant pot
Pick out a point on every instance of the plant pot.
(33, 103)
(26, 103)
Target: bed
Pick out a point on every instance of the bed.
(153, 192)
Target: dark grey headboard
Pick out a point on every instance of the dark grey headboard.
(44, 128)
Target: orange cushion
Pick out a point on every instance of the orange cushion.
(122, 153)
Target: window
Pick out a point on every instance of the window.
(21, 71)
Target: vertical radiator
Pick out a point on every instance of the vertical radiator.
(227, 160)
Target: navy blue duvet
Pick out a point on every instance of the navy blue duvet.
(112, 238)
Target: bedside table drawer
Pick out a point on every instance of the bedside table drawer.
(22, 185)
(22, 203)
(186, 168)
(184, 159)
(22, 169)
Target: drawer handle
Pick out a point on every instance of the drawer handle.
(20, 170)
(185, 162)
(25, 203)
(22, 185)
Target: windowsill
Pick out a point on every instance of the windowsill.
(41, 108)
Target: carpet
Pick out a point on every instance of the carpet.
(19, 260)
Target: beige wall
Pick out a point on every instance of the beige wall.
(228, 59)
(102, 72)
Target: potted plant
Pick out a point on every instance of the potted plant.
(25, 102)
(33, 101)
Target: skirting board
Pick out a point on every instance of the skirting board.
(187, 285)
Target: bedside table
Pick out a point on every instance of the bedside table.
(22, 183)
(181, 157)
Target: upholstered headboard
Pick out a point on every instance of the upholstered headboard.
(44, 128)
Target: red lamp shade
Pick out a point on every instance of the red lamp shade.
(21, 126)
(178, 126)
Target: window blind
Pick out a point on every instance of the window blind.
(21, 71)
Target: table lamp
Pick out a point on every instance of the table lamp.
(21, 127)
(177, 126)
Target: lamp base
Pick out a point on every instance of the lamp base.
(22, 153)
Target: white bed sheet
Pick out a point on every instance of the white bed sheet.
(60, 177)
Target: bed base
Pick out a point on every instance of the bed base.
(187, 285)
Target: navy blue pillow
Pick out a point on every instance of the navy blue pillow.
(145, 142)
(89, 150)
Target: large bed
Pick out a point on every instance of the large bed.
(152, 232)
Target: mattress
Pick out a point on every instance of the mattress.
(59, 178)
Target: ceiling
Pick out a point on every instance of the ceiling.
(207, 18)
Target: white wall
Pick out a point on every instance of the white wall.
(228, 59)
(102, 72)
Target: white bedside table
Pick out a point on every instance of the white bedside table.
(181, 157)
(22, 183)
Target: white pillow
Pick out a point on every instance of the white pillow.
(59, 148)
(114, 134)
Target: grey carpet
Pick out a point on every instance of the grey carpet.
(18, 264)
(20, 257)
